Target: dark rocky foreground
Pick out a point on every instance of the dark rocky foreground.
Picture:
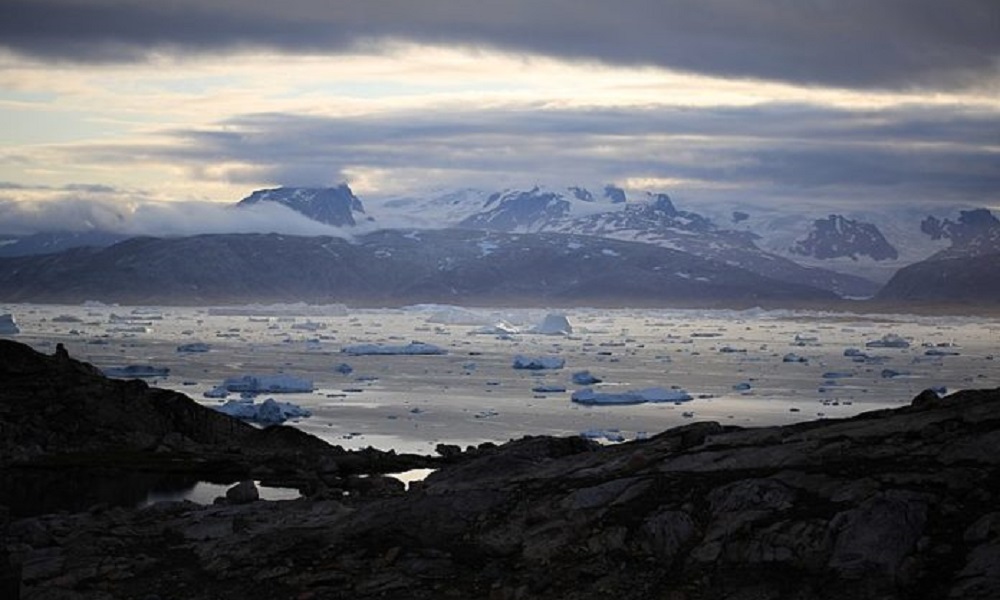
(889, 504)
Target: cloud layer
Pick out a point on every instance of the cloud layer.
(850, 43)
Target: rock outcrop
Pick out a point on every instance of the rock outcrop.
(889, 504)
(59, 413)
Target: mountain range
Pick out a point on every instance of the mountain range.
(790, 254)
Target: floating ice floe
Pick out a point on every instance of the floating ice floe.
(274, 384)
(194, 347)
(940, 352)
(889, 340)
(268, 412)
(836, 375)
(549, 389)
(413, 348)
(8, 326)
(892, 374)
(553, 324)
(585, 378)
(537, 363)
(654, 394)
(344, 369)
(731, 350)
(134, 371)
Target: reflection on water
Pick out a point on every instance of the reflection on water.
(205, 492)
(408, 477)
(33, 491)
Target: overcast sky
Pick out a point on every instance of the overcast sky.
(132, 103)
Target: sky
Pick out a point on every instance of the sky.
(137, 110)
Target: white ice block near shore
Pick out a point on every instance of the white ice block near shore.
(654, 394)
(413, 348)
(273, 384)
(268, 412)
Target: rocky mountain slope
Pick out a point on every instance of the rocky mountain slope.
(392, 267)
(967, 280)
(894, 504)
(836, 237)
(966, 272)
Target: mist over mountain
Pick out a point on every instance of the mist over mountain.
(336, 206)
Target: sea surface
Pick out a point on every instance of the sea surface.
(734, 364)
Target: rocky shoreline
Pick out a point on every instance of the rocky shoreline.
(890, 504)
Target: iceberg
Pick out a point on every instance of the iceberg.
(413, 348)
(655, 394)
(537, 363)
(275, 384)
(553, 324)
(268, 412)
(7, 325)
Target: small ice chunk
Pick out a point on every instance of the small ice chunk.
(218, 391)
(549, 389)
(889, 340)
(585, 378)
(536, 363)
(194, 347)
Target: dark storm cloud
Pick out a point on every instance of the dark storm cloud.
(899, 154)
(867, 43)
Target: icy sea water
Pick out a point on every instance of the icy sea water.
(733, 364)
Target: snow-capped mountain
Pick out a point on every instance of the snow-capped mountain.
(653, 219)
(837, 236)
(337, 206)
